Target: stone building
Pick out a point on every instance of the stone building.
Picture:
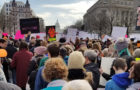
(117, 12)
(13, 11)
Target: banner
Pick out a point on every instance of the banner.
(106, 64)
(51, 33)
(31, 24)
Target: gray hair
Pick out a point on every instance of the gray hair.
(91, 55)
(137, 53)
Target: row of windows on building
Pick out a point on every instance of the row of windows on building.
(19, 6)
(122, 2)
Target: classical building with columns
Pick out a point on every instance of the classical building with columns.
(13, 11)
(120, 13)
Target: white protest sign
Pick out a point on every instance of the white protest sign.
(106, 64)
(118, 32)
(136, 36)
(82, 34)
(94, 36)
(42, 35)
(71, 34)
(59, 35)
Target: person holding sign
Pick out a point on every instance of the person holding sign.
(120, 80)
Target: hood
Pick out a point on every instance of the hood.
(122, 80)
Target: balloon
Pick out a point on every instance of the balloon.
(3, 53)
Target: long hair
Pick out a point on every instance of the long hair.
(23, 45)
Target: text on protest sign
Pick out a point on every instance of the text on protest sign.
(31, 24)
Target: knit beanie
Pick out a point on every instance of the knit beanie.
(40, 50)
(121, 44)
(77, 85)
(76, 60)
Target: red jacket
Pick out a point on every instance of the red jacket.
(21, 61)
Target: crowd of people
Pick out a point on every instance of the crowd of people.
(62, 65)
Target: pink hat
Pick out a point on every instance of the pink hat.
(37, 37)
(40, 50)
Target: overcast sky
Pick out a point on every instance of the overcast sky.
(66, 11)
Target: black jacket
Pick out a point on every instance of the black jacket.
(92, 67)
(32, 78)
(11, 50)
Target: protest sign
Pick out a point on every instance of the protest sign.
(136, 36)
(18, 35)
(72, 34)
(118, 32)
(29, 25)
(51, 33)
(106, 64)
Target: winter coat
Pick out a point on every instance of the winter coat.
(32, 78)
(42, 61)
(118, 82)
(11, 50)
(80, 74)
(55, 85)
(8, 86)
(33, 65)
(95, 72)
(135, 86)
(112, 72)
(21, 61)
(2, 76)
(39, 82)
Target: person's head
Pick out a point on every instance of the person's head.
(63, 52)
(16, 43)
(3, 43)
(121, 44)
(77, 85)
(105, 52)
(76, 60)
(53, 50)
(69, 49)
(44, 43)
(23, 45)
(136, 53)
(54, 69)
(97, 46)
(41, 50)
(38, 43)
(135, 72)
(91, 56)
(119, 64)
(90, 45)
(32, 38)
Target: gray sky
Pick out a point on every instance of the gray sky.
(66, 11)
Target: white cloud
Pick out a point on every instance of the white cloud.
(44, 15)
(79, 7)
(74, 11)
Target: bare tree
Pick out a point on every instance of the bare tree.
(2, 21)
(101, 23)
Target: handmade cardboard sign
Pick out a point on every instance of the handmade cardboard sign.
(51, 33)
(106, 65)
